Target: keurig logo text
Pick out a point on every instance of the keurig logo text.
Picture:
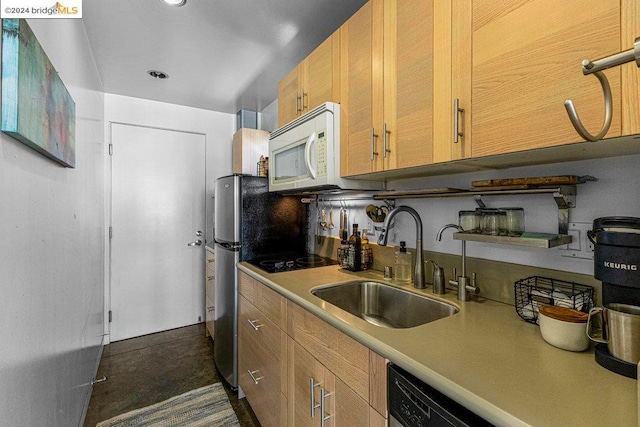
(620, 266)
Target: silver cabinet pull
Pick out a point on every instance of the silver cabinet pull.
(323, 396)
(608, 109)
(211, 277)
(298, 99)
(251, 374)
(211, 260)
(198, 233)
(196, 243)
(312, 397)
(456, 122)
(304, 107)
(253, 324)
(385, 150)
(373, 136)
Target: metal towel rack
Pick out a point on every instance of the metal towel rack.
(596, 68)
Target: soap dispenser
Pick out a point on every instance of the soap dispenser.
(403, 264)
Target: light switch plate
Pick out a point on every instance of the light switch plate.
(580, 246)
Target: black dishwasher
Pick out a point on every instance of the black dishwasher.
(412, 403)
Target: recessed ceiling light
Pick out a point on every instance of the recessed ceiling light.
(175, 2)
(158, 74)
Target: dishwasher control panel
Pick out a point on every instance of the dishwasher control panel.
(412, 403)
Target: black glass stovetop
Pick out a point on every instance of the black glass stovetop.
(288, 261)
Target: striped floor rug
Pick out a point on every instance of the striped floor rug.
(206, 406)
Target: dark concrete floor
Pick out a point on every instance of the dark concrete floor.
(152, 368)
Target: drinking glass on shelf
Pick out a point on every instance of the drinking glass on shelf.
(514, 221)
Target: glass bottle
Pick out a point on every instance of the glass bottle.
(354, 258)
(403, 264)
(365, 250)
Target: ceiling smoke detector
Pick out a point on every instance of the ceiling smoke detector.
(158, 74)
(175, 2)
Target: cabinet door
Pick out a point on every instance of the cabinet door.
(408, 83)
(361, 86)
(526, 61)
(304, 396)
(322, 74)
(262, 348)
(210, 296)
(288, 98)
(342, 406)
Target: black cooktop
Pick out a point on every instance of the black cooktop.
(276, 263)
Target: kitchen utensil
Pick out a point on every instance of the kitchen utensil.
(331, 225)
(323, 219)
(563, 327)
(621, 330)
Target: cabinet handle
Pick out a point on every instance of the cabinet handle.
(210, 261)
(253, 324)
(210, 308)
(312, 397)
(373, 136)
(297, 104)
(255, 380)
(211, 277)
(323, 396)
(304, 107)
(385, 150)
(456, 122)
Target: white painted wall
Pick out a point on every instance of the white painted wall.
(615, 193)
(52, 253)
(217, 127)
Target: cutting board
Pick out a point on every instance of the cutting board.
(539, 181)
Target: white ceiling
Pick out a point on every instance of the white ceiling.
(222, 55)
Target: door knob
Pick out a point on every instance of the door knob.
(196, 243)
(198, 233)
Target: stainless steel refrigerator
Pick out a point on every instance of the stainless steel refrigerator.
(250, 223)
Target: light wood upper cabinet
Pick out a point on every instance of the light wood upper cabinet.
(314, 81)
(516, 62)
(388, 99)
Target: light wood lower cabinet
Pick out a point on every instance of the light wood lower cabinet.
(318, 397)
(289, 359)
(262, 348)
(210, 298)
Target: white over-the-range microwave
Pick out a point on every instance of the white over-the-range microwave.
(304, 155)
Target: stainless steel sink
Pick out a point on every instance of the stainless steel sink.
(384, 305)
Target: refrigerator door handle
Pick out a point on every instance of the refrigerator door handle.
(228, 245)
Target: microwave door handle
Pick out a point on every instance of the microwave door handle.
(307, 155)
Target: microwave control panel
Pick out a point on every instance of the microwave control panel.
(322, 153)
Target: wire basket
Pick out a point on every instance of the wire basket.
(366, 254)
(535, 291)
(263, 166)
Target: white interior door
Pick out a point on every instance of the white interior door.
(158, 209)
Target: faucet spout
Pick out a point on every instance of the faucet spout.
(462, 281)
(418, 273)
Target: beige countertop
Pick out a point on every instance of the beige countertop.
(485, 357)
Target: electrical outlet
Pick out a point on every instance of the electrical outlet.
(580, 246)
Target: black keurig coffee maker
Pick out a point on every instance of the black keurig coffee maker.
(617, 265)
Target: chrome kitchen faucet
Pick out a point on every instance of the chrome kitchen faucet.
(418, 273)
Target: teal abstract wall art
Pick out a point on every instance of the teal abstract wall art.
(37, 109)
